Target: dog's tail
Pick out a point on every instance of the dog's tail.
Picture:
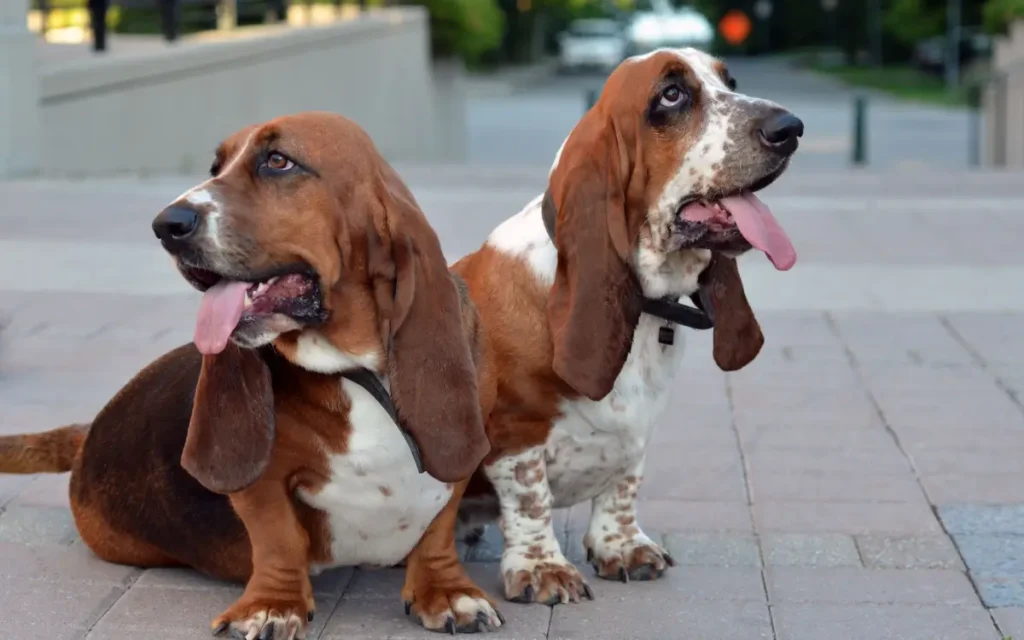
(51, 451)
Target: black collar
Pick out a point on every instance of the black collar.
(701, 316)
(368, 380)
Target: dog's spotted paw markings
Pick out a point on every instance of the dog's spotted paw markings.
(636, 559)
(278, 621)
(547, 583)
(452, 611)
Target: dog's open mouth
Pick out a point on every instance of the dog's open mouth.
(736, 222)
(230, 304)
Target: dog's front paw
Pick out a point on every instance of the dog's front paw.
(625, 558)
(551, 581)
(258, 618)
(456, 608)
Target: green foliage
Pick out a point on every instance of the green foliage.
(998, 14)
(467, 29)
(912, 20)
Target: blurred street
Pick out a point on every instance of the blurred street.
(513, 122)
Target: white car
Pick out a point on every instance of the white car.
(656, 24)
(592, 44)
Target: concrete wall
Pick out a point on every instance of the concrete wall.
(19, 93)
(165, 110)
(1004, 102)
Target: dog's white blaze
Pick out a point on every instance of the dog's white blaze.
(524, 236)
(314, 352)
(377, 503)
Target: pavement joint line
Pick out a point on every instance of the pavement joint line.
(748, 494)
(830, 321)
(980, 361)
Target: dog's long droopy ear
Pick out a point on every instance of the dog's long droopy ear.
(595, 302)
(231, 434)
(737, 338)
(432, 374)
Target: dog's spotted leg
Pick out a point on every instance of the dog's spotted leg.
(532, 565)
(616, 546)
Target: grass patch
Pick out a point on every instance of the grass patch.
(902, 82)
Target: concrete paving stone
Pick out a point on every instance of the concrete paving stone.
(998, 591)
(888, 460)
(952, 416)
(1010, 621)
(723, 484)
(804, 438)
(54, 564)
(881, 622)
(869, 586)
(749, 423)
(976, 441)
(845, 517)
(713, 549)
(959, 462)
(37, 525)
(766, 379)
(885, 378)
(705, 430)
(679, 515)
(663, 618)
(993, 489)
(804, 550)
(38, 611)
(46, 491)
(682, 459)
(10, 486)
(971, 519)
(372, 608)
(797, 398)
(992, 555)
(823, 486)
(893, 552)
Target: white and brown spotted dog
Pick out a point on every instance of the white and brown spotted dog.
(650, 200)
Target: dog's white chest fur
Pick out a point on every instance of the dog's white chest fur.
(595, 444)
(377, 504)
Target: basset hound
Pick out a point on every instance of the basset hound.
(333, 353)
(650, 200)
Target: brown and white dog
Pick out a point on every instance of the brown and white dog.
(271, 449)
(650, 200)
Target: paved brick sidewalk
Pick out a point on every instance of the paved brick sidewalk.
(861, 480)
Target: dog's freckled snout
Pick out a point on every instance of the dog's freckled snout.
(175, 223)
(780, 132)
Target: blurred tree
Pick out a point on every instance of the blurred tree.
(998, 14)
(466, 29)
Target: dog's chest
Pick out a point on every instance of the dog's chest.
(377, 504)
(594, 444)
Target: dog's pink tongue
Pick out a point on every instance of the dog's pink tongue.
(219, 313)
(758, 226)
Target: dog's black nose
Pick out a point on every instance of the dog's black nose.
(175, 223)
(780, 132)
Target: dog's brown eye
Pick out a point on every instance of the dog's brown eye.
(278, 162)
(672, 96)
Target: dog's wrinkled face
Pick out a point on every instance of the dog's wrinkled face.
(692, 152)
(270, 237)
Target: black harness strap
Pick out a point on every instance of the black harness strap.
(368, 380)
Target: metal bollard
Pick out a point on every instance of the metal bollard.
(860, 143)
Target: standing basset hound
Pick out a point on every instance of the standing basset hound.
(271, 448)
(650, 200)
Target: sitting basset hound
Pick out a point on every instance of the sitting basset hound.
(333, 352)
(650, 200)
